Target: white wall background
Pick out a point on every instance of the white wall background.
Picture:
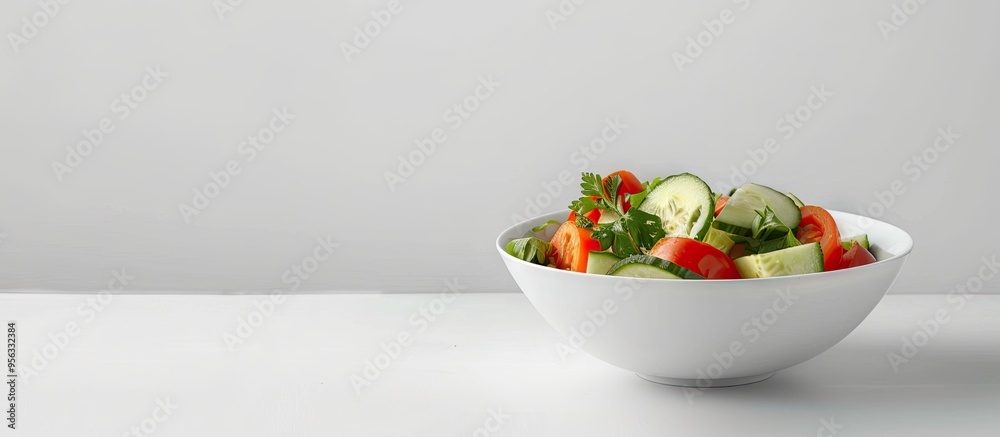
(325, 174)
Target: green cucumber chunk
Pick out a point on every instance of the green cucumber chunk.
(601, 262)
(795, 199)
(740, 211)
(685, 205)
(798, 260)
(607, 216)
(719, 239)
(647, 266)
(861, 239)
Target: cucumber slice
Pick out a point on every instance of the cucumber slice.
(861, 239)
(684, 204)
(601, 262)
(796, 200)
(740, 211)
(719, 239)
(798, 260)
(647, 266)
(607, 216)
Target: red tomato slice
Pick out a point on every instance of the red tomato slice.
(737, 251)
(594, 215)
(701, 258)
(856, 256)
(630, 185)
(721, 203)
(818, 225)
(571, 247)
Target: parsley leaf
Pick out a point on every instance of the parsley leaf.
(583, 205)
(632, 234)
(583, 222)
(648, 187)
(635, 231)
(644, 228)
(593, 189)
(767, 226)
(529, 249)
(591, 185)
(611, 186)
(605, 236)
(623, 245)
(542, 226)
(768, 234)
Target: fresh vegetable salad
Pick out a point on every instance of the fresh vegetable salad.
(677, 228)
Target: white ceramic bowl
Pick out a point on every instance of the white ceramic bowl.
(708, 333)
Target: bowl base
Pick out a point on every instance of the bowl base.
(715, 383)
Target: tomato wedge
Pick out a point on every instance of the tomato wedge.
(571, 247)
(594, 215)
(818, 225)
(630, 185)
(721, 203)
(856, 256)
(701, 258)
(737, 251)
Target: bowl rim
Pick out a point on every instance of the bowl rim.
(908, 247)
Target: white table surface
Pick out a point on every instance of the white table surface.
(485, 352)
